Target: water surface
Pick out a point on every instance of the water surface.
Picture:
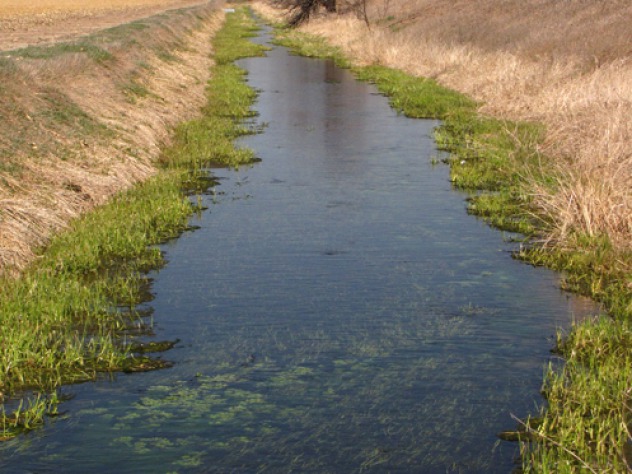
(338, 311)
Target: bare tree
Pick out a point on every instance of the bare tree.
(303, 9)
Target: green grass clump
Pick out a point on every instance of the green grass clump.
(63, 111)
(134, 91)
(120, 32)
(73, 314)
(586, 425)
(94, 52)
(27, 416)
(415, 96)
(494, 160)
(68, 318)
(209, 139)
(231, 43)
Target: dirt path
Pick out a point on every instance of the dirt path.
(49, 21)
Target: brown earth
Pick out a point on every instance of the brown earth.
(49, 21)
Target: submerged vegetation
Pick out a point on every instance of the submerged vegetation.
(72, 314)
(587, 422)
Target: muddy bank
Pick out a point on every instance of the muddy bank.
(86, 119)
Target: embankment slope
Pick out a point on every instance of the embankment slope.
(84, 119)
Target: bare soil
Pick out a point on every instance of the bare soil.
(48, 21)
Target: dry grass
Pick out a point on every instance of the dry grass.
(566, 64)
(75, 131)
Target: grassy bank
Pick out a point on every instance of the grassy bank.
(85, 119)
(72, 314)
(585, 425)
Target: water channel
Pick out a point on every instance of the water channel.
(338, 311)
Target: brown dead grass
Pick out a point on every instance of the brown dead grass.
(74, 135)
(565, 64)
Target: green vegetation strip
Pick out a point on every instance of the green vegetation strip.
(587, 422)
(73, 314)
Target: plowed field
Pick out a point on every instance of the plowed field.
(48, 21)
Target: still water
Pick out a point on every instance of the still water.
(338, 311)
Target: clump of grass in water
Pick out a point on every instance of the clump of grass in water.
(26, 418)
(587, 426)
(71, 315)
(594, 385)
(64, 320)
(415, 96)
